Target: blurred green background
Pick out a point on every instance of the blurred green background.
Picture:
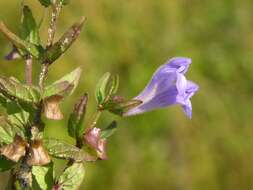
(161, 149)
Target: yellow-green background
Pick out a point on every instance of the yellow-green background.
(161, 149)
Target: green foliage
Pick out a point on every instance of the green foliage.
(72, 177)
(106, 87)
(29, 28)
(13, 89)
(64, 43)
(8, 131)
(45, 3)
(5, 164)
(64, 86)
(43, 176)
(60, 149)
(75, 122)
(24, 46)
(109, 131)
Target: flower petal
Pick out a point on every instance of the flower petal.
(179, 64)
(168, 86)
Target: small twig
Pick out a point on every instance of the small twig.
(28, 70)
(56, 9)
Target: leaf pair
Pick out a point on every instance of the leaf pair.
(29, 41)
(107, 100)
(106, 88)
(70, 179)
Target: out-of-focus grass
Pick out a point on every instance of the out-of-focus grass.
(162, 149)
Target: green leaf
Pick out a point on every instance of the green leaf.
(64, 43)
(65, 86)
(72, 177)
(29, 28)
(75, 122)
(5, 164)
(101, 89)
(63, 150)
(44, 176)
(14, 90)
(45, 3)
(106, 87)
(17, 115)
(110, 130)
(23, 46)
(8, 131)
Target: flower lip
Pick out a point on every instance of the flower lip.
(179, 64)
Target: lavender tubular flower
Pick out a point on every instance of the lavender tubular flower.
(167, 87)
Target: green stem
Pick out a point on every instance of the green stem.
(95, 118)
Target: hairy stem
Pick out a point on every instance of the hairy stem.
(28, 70)
(43, 75)
(56, 9)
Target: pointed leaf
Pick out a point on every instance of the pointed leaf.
(17, 115)
(63, 150)
(75, 122)
(110, 130)
(72, 177)
(101, 89)
(45, 3)
(24, 46)
(106, 88)
(29, 28)
(60, 47)
(65, 86)
(13, 89)
(8, 131)
(43, 176)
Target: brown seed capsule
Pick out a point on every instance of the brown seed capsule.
(93, 139)
(15, 150)
(52, 108)
(38, 156)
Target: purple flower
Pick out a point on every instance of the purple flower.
(167, 87)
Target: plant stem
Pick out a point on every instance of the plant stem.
(95, 118)
(43, 75)
(56, 9)
(28, 70)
